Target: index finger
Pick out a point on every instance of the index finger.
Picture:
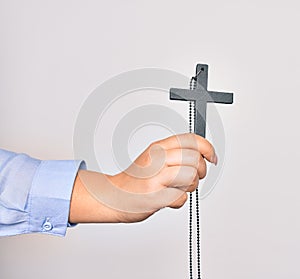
(190, 141)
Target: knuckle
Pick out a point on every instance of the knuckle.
(192, 175)
(196, 157)
(181, 201)
(153, 145)
(195, 183)
(156, 147)
(149, 185)
(192, 135)
(202, 169)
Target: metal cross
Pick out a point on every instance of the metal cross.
(201, 97)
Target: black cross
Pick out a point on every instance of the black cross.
(201, 97)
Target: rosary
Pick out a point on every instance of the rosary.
(198, 96)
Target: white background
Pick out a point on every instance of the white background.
(54, 53)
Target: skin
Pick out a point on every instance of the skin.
(160, 177)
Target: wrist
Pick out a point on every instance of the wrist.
(85, 207)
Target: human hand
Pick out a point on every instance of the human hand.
(158, 178)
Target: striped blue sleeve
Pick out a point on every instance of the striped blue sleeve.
(35, 195)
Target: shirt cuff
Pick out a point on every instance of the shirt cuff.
(50, 196)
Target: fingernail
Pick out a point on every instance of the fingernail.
(213, 159)
(216, 160)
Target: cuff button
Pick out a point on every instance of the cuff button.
(47, 226)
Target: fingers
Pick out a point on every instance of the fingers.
(175, 165)
(184, 177)
(170, 197)
(192, 187)
(167, 197)
(186, 157)
(190, 141)
(180, 201)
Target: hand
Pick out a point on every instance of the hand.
(158, 178)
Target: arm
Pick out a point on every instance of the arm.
(44, 196)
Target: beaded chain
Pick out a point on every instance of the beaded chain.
(193, 83)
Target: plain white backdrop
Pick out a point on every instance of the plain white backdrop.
(54, 53)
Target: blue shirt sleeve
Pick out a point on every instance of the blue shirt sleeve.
(35, 195)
